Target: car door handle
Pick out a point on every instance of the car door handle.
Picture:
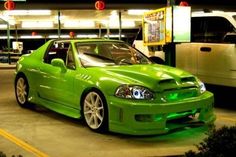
(205, 49)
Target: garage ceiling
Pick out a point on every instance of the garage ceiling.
(83, 10)
(70, 16)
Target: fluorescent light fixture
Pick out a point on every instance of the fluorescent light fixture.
(3, 26)
(114, 35)
(137, 11)
(8, 19)
(53, 36)
(79, 24)
(128, 24)
(114, 15)
(37, 24)
(56, 36)
(105, 22)
(115, 24)
(71, 24)
(5, 37)
(12, 22)
(62, 17)
(27, 12)
(87, 36)
(31, 37)
(87, 24)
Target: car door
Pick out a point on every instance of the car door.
(57, 85)
(214, 54)
(208, 56)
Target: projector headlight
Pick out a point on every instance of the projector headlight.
(133, 92)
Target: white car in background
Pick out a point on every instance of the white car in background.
(211, 55)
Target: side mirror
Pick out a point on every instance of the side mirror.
(57, 62)
(230, 37)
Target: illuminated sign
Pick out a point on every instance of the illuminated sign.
(154, 27)
(181, 24)
(165, 25)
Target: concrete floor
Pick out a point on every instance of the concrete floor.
(40, 132)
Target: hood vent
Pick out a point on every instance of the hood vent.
(188, 82)
(167, 81)
(168, 84)
(188, 79)
(183, 83)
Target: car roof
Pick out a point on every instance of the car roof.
(212, 13)
(227, 15)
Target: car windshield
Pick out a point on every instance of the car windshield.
(109, 54)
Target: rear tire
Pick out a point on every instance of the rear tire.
(22, 91)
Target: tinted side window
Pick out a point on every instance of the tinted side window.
(57, 50)
(198, 28)
(70, 63)
(210, 29)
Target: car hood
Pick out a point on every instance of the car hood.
(154, 76)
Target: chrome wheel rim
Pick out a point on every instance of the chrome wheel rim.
(93, 110)
(21, 92)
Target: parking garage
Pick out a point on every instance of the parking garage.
(38, 131)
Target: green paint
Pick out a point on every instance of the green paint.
(61, 90)
(173, 96)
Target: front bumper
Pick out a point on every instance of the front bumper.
(137, 117)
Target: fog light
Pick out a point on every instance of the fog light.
(148, 117)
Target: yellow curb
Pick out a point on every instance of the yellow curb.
(22, 144)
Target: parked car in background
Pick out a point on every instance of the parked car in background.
(211, 54)
(112, 86)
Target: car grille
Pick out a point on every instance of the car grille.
(179, 89)
(181, 94)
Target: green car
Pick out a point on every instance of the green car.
(112, 86)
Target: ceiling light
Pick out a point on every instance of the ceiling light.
(71, 24)
(79, 24)
(9, 19)
(31, 37)
(12, 22)
(115, 24)
(3, 26)
(27, 12)
(114, 16)
(137, 11)
(61, 18)
(56, 36)
(114, 35)
(87, 36)
(37, 24)
(5, 37)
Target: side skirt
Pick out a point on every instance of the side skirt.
(57, 107)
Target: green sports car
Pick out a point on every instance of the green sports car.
(112, 86)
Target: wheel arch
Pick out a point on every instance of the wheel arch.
(87, 90)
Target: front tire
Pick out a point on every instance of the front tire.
(95, 113)
(22, 91)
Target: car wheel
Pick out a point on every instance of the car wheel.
(95, 111)
(21, 91)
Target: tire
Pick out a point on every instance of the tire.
(22, 91)
(94, 111)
